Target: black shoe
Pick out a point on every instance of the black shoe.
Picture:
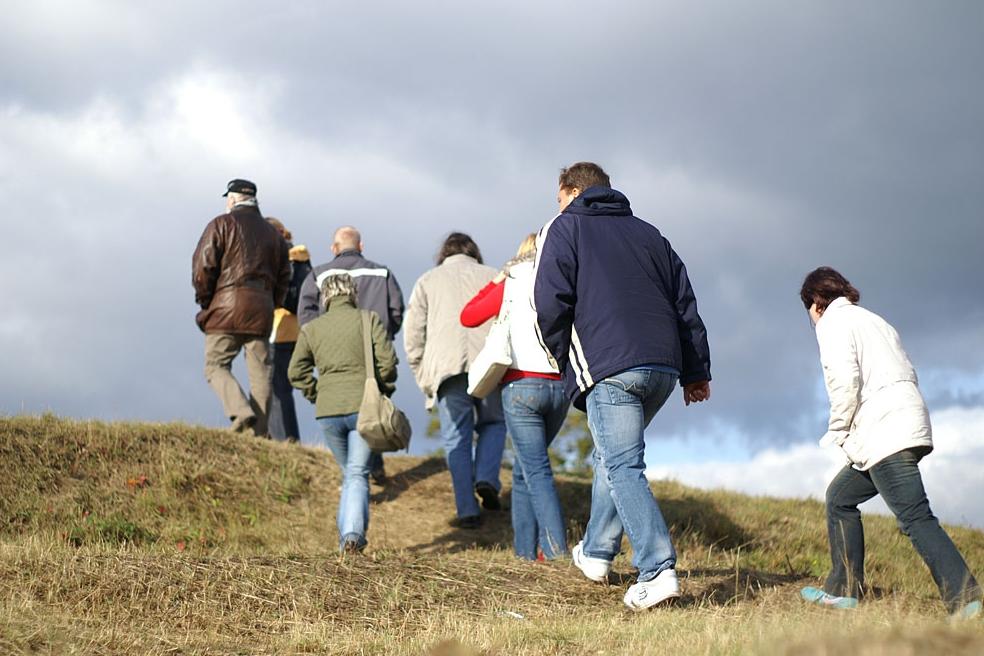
(244, 424)
(471, 522)
(489, 495)
(351, 546)
(378, 475)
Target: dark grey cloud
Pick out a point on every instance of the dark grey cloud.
(764, 139)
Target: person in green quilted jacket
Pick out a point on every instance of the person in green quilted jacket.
(333, 345)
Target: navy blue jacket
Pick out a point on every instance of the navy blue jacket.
(611, 294)
(299, 271)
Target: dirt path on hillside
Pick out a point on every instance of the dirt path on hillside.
(413, 509)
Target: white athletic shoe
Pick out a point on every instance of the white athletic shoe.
(595, 569)
(641, 596)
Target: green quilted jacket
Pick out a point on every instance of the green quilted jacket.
(332, 344)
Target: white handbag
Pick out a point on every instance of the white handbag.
(493, 360)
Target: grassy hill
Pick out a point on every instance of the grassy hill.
(171, 539)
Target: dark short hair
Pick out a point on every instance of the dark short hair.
(824, 285)
(458, 243)
(583, 175)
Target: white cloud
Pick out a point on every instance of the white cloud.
(951, 474)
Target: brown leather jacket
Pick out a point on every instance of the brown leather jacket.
(240, 272)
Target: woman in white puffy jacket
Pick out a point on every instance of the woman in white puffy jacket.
(879, 420)
(534, 404)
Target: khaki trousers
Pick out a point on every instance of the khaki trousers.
(220, 350)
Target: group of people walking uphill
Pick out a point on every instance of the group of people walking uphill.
(600, 314)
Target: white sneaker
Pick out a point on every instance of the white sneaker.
(641, 596)
(595, 569)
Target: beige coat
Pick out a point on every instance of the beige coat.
(438, 346)
(875, 405)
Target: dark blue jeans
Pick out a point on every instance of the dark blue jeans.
(462, 416)
(535, 409)
(283, 417)
(897, 480)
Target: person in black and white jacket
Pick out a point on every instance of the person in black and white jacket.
(616, 311)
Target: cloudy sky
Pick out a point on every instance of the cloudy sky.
(763, 138)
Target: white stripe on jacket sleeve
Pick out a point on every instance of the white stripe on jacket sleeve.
(354, 273)
(541, 237)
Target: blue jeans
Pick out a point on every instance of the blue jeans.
(352, 455)
(283, 416)
(461, 416)
(619, 409)
(897, 480)
(535, 409)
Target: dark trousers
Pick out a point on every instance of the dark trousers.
(897, 480)
(283, 416)
(375, 462)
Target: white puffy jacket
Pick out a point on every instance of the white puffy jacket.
(876, 408)
(527, 352)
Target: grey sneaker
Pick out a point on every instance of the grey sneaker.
(353, 545)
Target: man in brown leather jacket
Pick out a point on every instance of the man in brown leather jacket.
(240, 272)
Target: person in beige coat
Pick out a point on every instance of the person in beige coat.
(440, 351)
(879, 420)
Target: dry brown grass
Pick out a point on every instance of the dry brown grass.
(170, 539)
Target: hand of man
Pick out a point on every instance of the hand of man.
(696, 392)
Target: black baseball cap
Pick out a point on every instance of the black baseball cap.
(240, 187)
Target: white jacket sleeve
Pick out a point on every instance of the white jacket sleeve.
(415, 331)
(842, 377)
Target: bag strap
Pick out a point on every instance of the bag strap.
(367, 346)
(503, 315)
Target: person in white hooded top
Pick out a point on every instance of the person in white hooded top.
(534, 404)
(879, 420)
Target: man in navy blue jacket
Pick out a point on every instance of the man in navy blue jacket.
(616, 311)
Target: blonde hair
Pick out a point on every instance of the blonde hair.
(340, 284)
(528, 247)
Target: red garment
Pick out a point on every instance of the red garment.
(484, 306)
(516, 374)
